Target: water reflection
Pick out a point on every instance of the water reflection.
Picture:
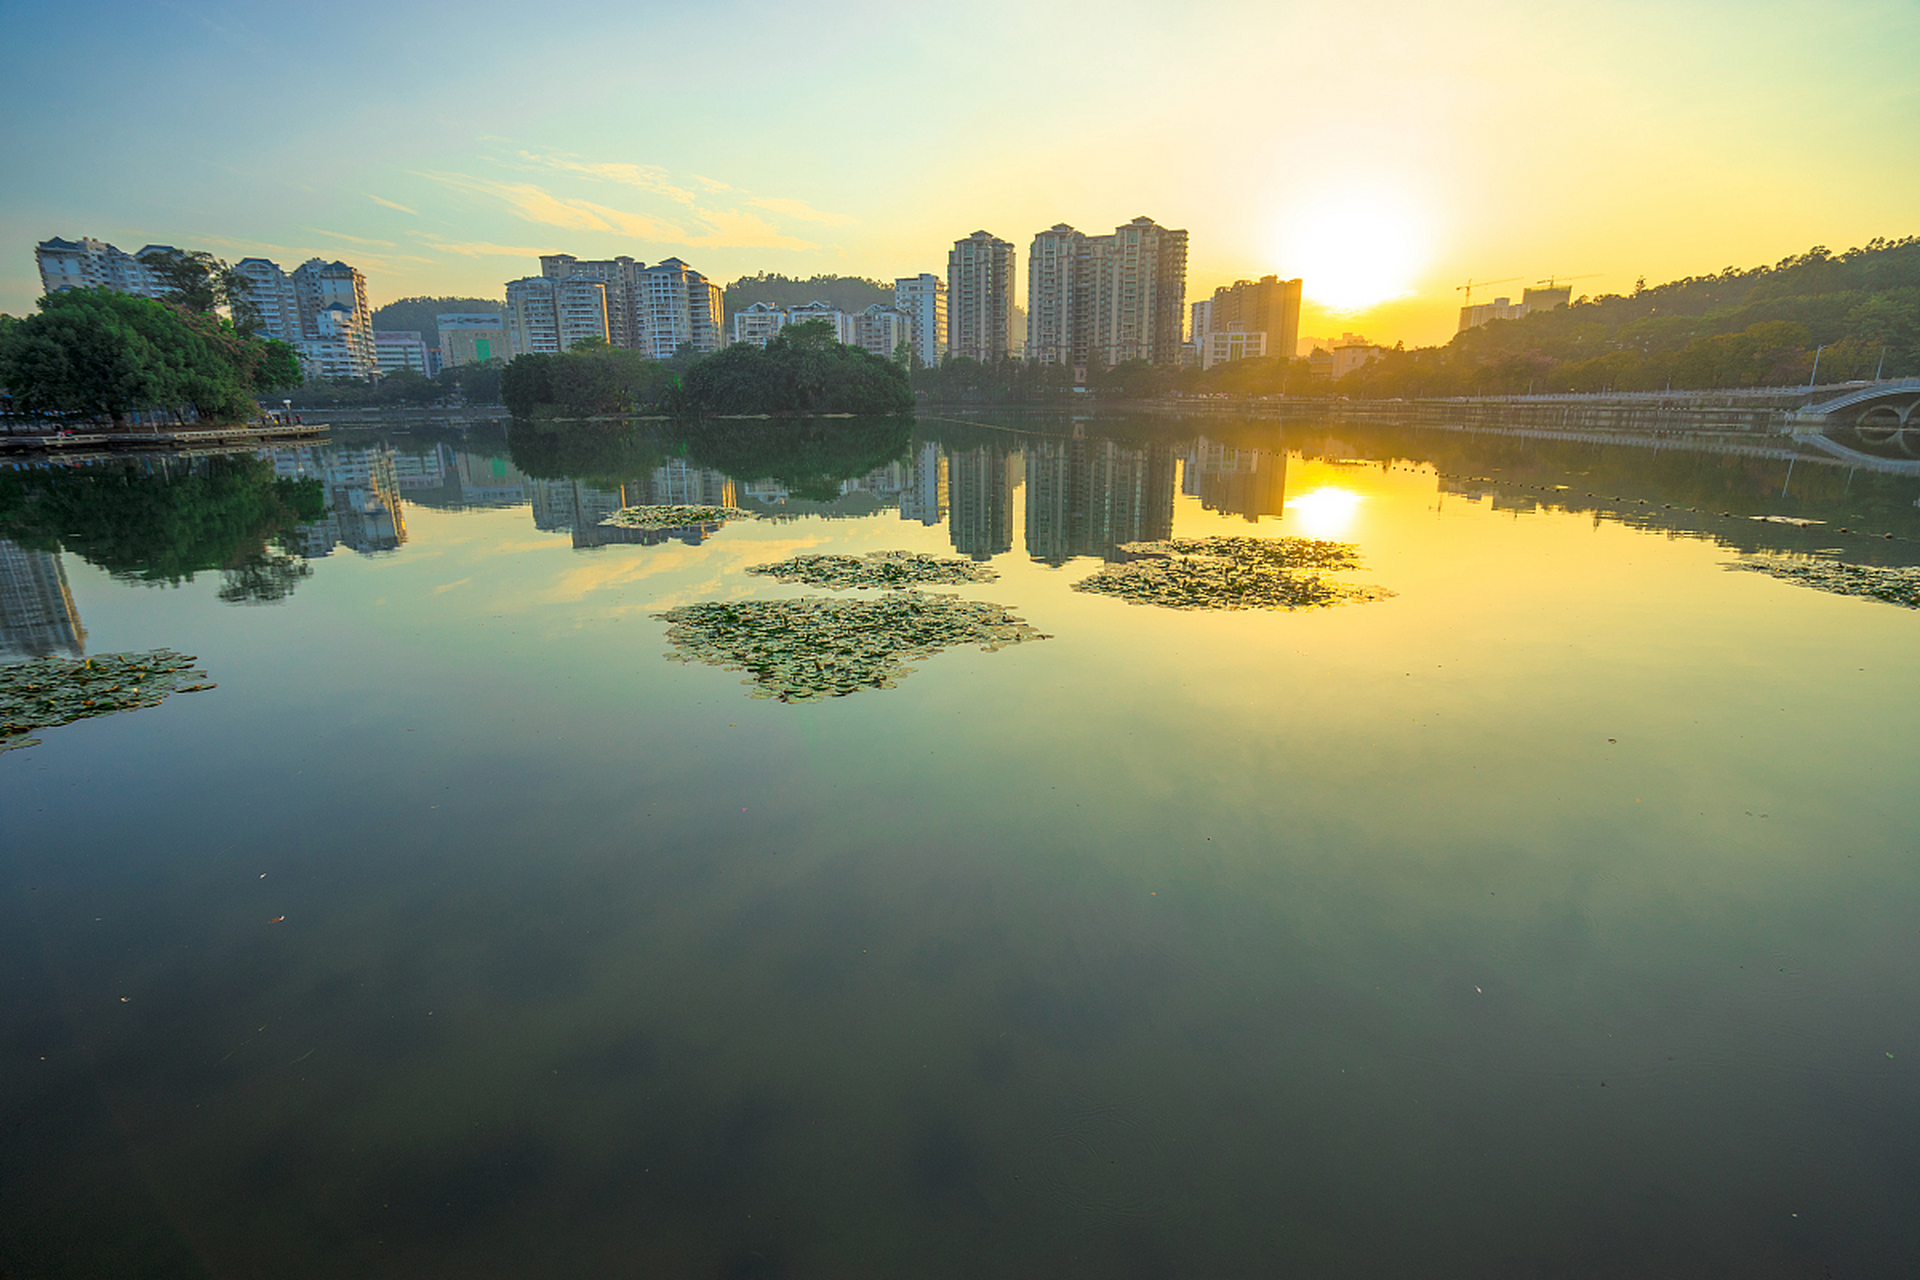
(37, 614)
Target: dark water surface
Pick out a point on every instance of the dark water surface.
(1554, 916)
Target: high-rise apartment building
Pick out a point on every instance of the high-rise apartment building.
(923, 300)
(676, 306)
(87, 263)
(546, 316)
(1057, 297)
(276, 305)
(655, 310)
(1268, 305)
(1108, 298)
(980, 283)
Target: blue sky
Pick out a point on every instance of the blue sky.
(1385, 151)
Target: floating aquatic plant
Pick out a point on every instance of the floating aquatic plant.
(876, 569)
(670, 517)
(814, 647)
(43, 692)
(1232, 573)
(1895, 585)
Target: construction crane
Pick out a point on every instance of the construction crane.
(1471, 285)
(1550, 280)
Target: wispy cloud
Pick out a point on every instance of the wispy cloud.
(643, 225)
(341, 235)
(388, 204)
(733, 229)
(482, 249)
(647, 177)
(800, 210)
(527, 201)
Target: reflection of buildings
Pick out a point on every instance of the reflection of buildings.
(924, 495)
(363, 498)
(680, 483)
(489, 481)
(1244, 482)
(37, 617)
(1086, 497)
(980, 492)
(563, 505)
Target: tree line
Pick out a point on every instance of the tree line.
(801, 371)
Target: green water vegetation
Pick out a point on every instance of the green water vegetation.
(98, 354)
(892, 570)
(164, 525)
(848, 293)
(812, 648)
(1894, 584)
(802, 370)
(1232, 573)
(42, 693)
(671, 517)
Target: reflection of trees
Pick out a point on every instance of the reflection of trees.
(583, 450)
(263, 578)
(166, 524)
(807, 456)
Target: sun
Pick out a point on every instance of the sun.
(1353, 249)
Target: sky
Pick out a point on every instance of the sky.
(1385, 151)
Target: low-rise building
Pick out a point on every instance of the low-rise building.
(401, 349)
(757, 324)
(1224, 346)
(471, 337)
(882, 330)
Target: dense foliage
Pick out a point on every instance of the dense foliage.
(421, 315)
(803, 370)
(103, 354)
(468, 383)
(147, 526)
(848, 293)
(592, 380)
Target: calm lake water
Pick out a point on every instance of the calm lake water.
(1553, 916)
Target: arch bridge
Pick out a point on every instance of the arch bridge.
(1884, 417)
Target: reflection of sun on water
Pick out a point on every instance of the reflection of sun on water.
(1326, 512)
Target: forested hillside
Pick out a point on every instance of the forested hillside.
(418, 314)
(849, 293)
(1756, 327)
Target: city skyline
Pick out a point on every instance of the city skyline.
(1415, 148)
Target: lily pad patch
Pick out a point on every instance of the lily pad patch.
(671, 517)
(888, 569)
(1232, 573)
(815, 647)
(1895, 585)
(42, 693)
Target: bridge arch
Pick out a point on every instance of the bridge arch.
(1878, 424)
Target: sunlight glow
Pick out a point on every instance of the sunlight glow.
(1326, 512)
(1354, 249)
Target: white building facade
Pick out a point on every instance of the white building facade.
(923, 300)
